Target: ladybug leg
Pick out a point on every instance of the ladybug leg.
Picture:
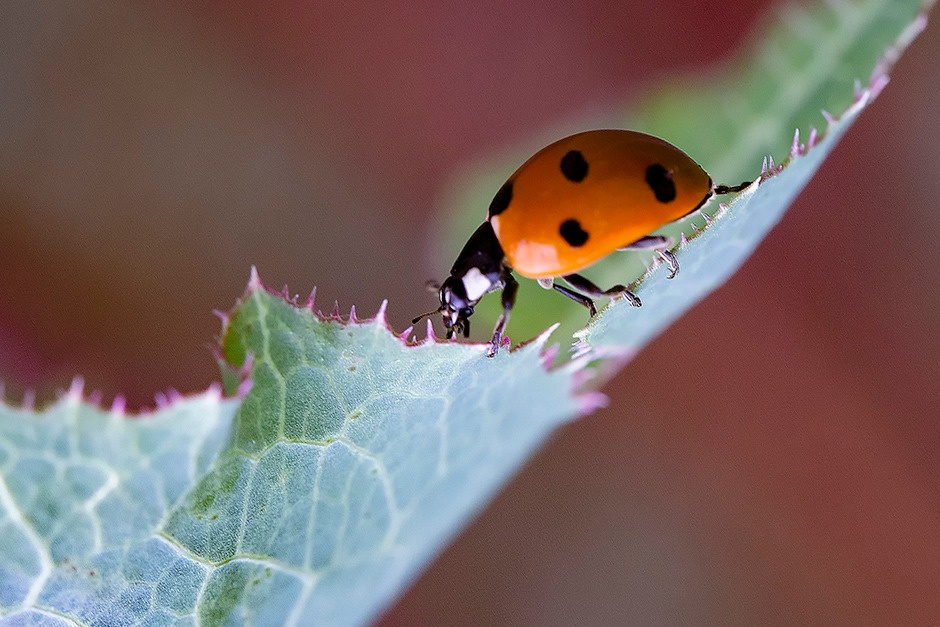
(576, 297)
(728, 189)
(661, 245)
(670, 259)
(586, 287)
(510, 289)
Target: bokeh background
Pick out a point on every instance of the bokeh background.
(774, 457)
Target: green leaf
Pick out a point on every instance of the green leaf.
(356, 457)
(83, 495)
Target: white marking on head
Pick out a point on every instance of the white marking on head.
(475, 284)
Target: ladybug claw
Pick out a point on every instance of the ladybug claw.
(670, 259)
(494, 347)
(498, 340)
(633, 298)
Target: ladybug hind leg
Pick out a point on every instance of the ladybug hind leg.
(661, 245)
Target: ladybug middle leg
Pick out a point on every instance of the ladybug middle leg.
(576, 297)
(584, 290)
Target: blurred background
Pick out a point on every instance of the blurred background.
(151, 153)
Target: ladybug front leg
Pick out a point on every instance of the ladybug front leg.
(510, 288)
(661, 245)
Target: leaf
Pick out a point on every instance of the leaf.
(83, 493)
(355, 456)
(347, 466)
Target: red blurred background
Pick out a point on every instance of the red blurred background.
(150, 154)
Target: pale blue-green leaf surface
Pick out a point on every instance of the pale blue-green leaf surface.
(354, 458)
(83, 495)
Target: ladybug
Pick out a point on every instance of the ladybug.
(571, 204)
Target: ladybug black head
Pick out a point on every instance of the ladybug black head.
(456, 308)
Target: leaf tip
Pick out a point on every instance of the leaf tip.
(429, 337)
(311, 299)
(796, 148)
(224, 318)
(769, 168)
(590, 402)
(166, 399)
(286, 295)
(214, 391)
(254, 281)
(542, 338)
(380, 314)
(74, 394)
(549, 355)
(119, 406)
(244, 388)
(813, 138)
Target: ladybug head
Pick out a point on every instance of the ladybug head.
(456, 308)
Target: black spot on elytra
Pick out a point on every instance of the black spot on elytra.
(573, 166)
(572, 233)
(501, 200)
(660, 181)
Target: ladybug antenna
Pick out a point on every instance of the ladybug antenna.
(425, 315)
(432, 285)
(727, 189)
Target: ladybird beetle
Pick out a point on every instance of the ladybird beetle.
(571, 204)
